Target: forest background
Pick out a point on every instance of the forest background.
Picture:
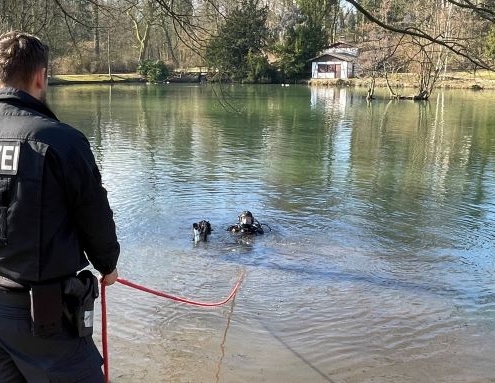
(261, 41)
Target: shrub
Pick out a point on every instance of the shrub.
(153, 71)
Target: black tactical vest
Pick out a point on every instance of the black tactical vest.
(23, 152)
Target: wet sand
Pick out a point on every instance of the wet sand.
(199, 347)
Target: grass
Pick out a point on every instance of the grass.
(93, 78)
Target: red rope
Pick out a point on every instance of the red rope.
(179, 299)
(104, 338)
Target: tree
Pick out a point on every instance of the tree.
(423, 35)
(143, 16)
(490, 44)
(183, 29)
(378, 55)
(305, 35)
(240, 42)
(464, 45)
(442, 32)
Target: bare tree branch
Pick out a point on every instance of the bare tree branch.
(452, 44)
(481, 10)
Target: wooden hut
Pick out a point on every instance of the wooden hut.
(337, 61)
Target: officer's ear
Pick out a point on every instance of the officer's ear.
(39, 83)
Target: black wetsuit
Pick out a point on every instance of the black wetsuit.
(254, 228)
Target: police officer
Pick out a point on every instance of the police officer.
(55, 220)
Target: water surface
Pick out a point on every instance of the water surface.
(379, 265)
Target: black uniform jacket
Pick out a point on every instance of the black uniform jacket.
(54, 211)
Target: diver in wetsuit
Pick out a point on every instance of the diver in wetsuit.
(246, 225)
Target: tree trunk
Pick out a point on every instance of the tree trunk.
(96, 34)
(108, 57)
(143, 42)
(371, 88)
(170, 48)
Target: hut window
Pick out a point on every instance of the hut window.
(326, 68)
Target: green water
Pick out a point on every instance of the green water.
(379, 264)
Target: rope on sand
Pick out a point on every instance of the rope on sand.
(104, 333)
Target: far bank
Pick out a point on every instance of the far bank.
(455, 80)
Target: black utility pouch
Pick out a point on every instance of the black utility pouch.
(80, 293)
(46, 309)
(3, 226)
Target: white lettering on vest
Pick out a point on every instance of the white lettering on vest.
(9, 157)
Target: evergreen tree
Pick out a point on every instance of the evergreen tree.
(237, 50)
(303, 39)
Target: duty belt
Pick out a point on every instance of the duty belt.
(14, 294)
(9, 284)
(16, 298)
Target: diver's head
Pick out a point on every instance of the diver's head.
(246, 218)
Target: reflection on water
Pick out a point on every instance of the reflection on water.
(379, 266)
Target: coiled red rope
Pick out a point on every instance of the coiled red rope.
(104, 334)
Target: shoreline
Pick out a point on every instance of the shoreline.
(401, 84)
(455, 80)
(94, 79)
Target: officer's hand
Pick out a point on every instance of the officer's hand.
(110, 279)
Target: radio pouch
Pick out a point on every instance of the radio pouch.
(80, 293)
(46, 309)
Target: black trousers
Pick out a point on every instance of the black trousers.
(25, 358)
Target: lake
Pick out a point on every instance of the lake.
(377, 262)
